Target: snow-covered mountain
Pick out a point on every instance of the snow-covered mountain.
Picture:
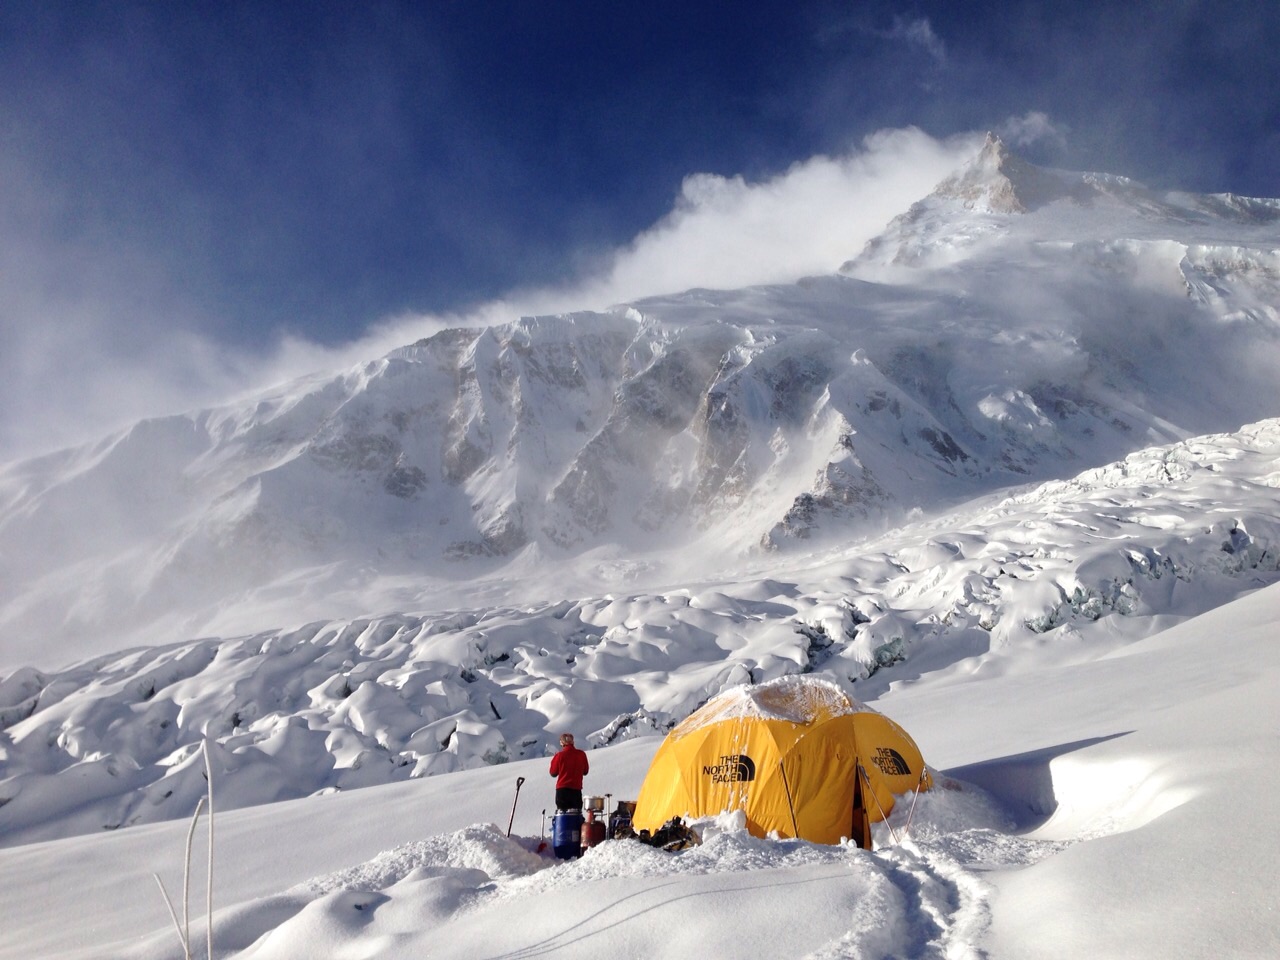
(1013, 421)
(1016, 325)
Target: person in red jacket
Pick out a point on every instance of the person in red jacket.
(569, 766)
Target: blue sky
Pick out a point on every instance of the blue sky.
(186, 184)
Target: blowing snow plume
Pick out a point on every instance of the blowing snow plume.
(119, 340)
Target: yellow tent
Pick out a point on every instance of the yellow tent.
(797, 754)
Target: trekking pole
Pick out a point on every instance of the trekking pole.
(519, 782)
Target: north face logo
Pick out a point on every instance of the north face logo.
(890, 762)
(732, 768)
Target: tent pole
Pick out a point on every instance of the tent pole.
(883, 816)
(794, 829)
(912, 812)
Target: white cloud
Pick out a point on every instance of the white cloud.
(919, 33)
(725, 232)
(64, 376)
(1030, 128)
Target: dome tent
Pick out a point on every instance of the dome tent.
(796, 754)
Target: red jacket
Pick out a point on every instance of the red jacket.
(569, 766)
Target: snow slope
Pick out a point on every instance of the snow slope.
(1068, 568)
(1119, 807)
(1010, 475)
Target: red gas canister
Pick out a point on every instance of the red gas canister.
(592, 833)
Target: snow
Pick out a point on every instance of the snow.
(1010, 480)
(1070, 568)
(671, 439)
(1120, 807)
(784, 698)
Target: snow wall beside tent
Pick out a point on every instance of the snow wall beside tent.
(786, 752)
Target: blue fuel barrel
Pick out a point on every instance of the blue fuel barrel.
(566, 834)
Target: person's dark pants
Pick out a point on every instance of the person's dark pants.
(567, 798)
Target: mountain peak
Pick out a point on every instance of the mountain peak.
(999, 181)
(994, 153)
(992, 194)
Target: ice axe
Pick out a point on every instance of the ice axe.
(542, 844)
(519, 782)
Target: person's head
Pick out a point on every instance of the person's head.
(566, 739)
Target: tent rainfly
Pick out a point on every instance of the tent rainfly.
(796, 754)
